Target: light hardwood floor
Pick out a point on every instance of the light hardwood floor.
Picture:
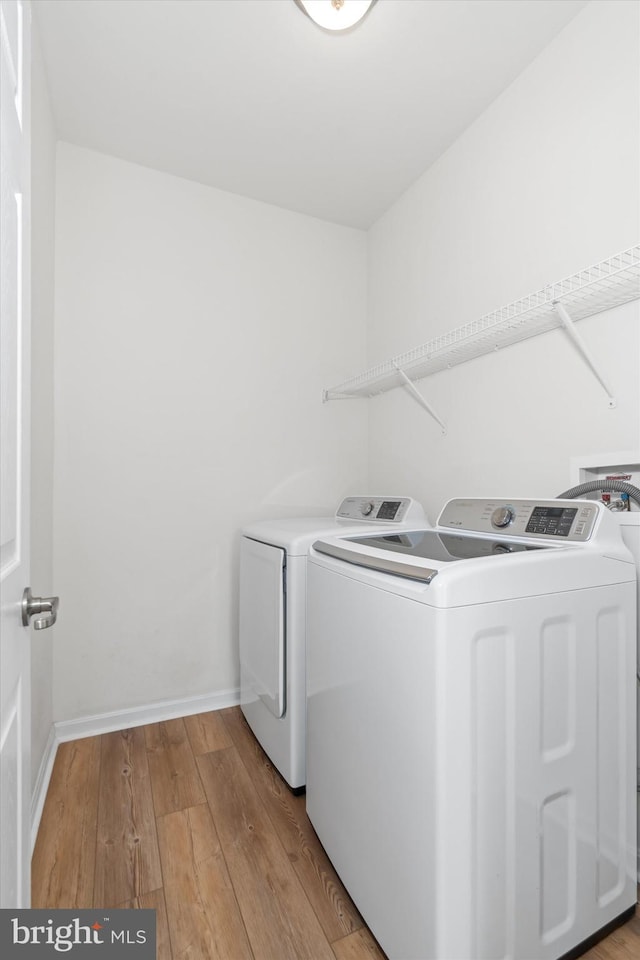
(188, 817)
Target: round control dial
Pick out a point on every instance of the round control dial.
(502, 516)
(367, 508)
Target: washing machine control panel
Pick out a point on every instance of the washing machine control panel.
(558, 520)
(387, 509)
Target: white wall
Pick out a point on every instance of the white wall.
(195, 330)
(543, 184)
(194, 333)
(43, 139)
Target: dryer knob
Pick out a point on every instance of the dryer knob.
(502, 517)
(367, 508)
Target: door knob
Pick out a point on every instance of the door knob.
(39, 605)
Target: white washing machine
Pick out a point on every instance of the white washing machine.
(273, 576)
(471, 728)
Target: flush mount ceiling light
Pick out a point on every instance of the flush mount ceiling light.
(335, 14)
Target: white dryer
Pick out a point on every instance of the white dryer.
(471, 728)
(273, 576)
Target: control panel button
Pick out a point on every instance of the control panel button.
(389, 510)
(551, 521)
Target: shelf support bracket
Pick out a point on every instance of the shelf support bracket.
(582, 348)
(416, 393)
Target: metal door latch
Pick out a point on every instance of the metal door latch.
(35, 605)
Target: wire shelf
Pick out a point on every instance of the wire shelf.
(591, 291)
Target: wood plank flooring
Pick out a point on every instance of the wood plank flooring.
(189, 817)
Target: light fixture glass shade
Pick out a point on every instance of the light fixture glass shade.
(335, 14)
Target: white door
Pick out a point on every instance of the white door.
(15, 791)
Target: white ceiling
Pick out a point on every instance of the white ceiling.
(251, 97)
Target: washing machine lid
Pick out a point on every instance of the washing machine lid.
(296, 534)
(444, 547)
(418, 554)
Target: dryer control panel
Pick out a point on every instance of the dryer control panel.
(560, 520)
(386, 509)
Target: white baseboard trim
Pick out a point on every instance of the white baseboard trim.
(148, 713)
(65, 730)
(41, 785)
